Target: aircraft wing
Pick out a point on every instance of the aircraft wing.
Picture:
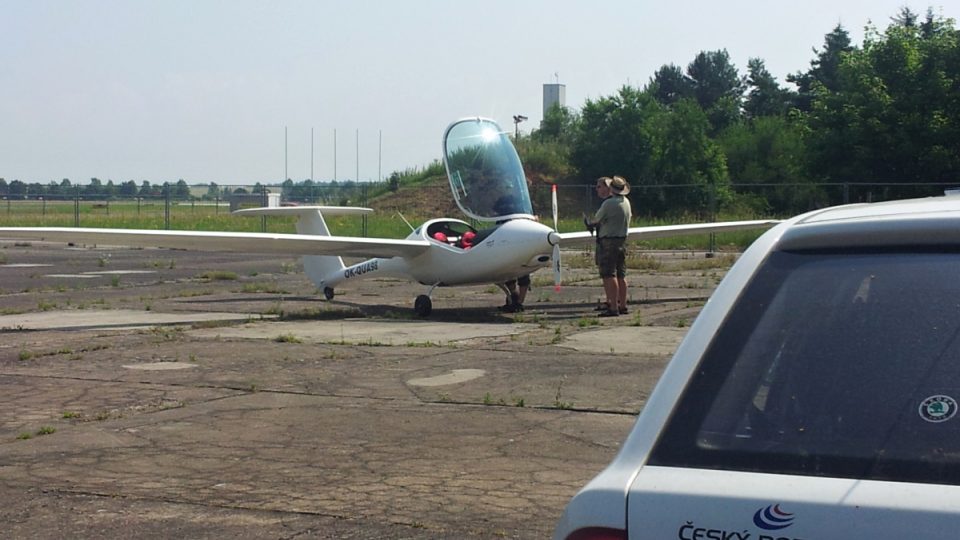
(285, 244)
(663, 231)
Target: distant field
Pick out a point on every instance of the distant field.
(203, 216)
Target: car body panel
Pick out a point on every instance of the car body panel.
(658, 502)
(682, 503)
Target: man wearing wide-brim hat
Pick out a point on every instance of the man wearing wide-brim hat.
(611, 222)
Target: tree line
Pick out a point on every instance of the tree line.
(331, 192)
(884, 114)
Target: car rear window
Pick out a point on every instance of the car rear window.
(831, 364)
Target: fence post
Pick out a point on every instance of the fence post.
(363, 223)
(263, 203)
(76, 207)
(713, 218)
(166, 210)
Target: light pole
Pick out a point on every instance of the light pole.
(517, 118)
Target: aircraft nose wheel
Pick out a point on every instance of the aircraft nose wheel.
(328, 293)
(422, 306)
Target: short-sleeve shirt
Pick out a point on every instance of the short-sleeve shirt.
(613, 217)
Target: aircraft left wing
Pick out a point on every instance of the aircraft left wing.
(285, 244)
(663, 231)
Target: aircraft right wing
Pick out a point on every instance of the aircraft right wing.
(285, 244)
(663, 231)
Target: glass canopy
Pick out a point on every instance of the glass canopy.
(485, 173)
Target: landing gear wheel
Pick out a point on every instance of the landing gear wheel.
(422, 306)
(328, 293)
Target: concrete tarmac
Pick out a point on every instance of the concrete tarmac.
(169, 404)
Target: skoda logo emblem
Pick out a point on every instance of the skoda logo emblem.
(938, 408)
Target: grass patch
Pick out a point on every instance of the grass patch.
(263, 287)
(317, 314)
(287, 338)
(218, 275)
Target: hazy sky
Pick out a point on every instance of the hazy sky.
(202, 90)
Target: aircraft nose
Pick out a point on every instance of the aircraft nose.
(553, 238)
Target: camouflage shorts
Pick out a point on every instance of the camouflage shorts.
(611, 257)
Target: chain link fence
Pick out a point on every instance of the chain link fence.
(209, 209)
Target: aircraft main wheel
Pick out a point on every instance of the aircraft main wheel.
(328, 293)
(422, 306)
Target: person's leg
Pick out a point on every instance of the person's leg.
(523, 283)
(621, 277)
(612, 290)
(622, 294)
(607, 263)
(513, 297)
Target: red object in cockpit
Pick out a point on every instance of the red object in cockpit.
(466, 241)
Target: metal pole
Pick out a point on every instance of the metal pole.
(363, 225)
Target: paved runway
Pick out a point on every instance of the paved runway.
(164, 404)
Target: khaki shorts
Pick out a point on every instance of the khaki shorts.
(611, 257)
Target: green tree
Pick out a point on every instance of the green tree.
(181, 190)
(669, 85)
(684, 155)
(717, 87)
(559, 125)
(17, 189)
(767, 164)
(128, 189)
(895, 114)
(824, 69)
(94, 188)
(213, 191)
(614, 136)
(765, 97)
(146, 190)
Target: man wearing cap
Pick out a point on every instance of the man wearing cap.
(611, 222)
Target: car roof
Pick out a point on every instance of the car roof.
(912, 222)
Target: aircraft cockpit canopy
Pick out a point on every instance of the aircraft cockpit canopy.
(484, 170)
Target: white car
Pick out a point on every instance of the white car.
(815, 397)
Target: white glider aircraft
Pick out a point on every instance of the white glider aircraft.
(489, 185)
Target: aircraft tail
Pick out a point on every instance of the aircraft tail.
(310, 221)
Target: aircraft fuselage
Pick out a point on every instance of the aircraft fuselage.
(513, 249)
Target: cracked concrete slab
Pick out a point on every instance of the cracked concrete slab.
(366, 332)
(472, 424)
(115, 319)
